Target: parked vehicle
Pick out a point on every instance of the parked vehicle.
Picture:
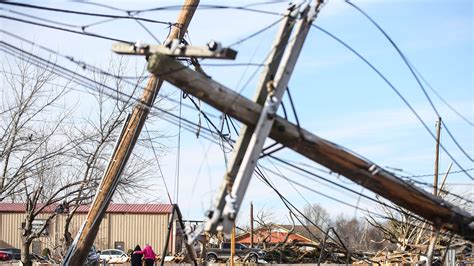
(108, 254)
(15, 253)
(242, 251)
(5, 256)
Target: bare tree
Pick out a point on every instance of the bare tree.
(96, 138)
(399, 227)
(27, 98)
(318, 215)
(410, 233)
(33, 145)
(266, 222)
(51, 159)
(350, 230)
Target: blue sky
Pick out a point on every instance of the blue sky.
(337, 96)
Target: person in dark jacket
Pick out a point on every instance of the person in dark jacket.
(136, 259)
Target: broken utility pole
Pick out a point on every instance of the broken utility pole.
(80, 248)
(271, 65)
(330, 155)
(276, 89)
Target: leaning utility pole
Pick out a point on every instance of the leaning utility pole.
(324, 152)
(268, 73)
(224, 217)
(78, 251)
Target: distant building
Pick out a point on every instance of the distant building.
(123, 227)
(274, 234)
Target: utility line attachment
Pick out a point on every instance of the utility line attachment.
(175, 48)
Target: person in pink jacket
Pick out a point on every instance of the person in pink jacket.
(148, 254)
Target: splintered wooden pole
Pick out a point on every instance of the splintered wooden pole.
(334, 157)
(80, 248)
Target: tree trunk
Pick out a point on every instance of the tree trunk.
(25, 253)
(67, 235)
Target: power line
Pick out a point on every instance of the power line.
(89, 67)
(180, 119)
(257, 32)
(136, 19)
(86, 82)
(407, 63)
(441, 98)
(430, 185)
(104, 5)
(451, 172)
(287, 204)
(292, 165)
(346, 203)
(148, 31)
(293, 186)
(267, 3)
(68, 74)
(204, 7)
(178, 157)
(266, 181)
(100, 71)
(395, 90)
(331, 182)
(40, 18)
(86, 13)
(409, 178)
(95, 69)
(232, 64)
(82, 27)
(66, 30)
(293, 108)
(158, 163)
